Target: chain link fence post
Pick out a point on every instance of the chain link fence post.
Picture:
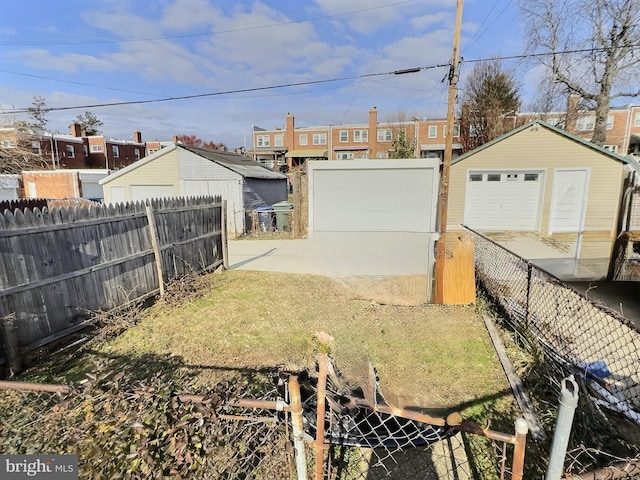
(297, 427)
(566, 410)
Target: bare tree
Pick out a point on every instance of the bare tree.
(17, 151)
(602, 36)
(490, 102)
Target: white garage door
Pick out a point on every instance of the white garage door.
(377, 197)
(502, 200)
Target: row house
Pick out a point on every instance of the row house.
(56, 150)
(75, 150)
(110, 153)
(623, 124)
(292, 146)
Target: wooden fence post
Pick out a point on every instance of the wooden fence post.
(10, 338)
(223, 228)
(155, 246)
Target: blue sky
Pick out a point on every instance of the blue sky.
(76, 53)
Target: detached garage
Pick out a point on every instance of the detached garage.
(541, 179)
(180, 170)
(373, 196)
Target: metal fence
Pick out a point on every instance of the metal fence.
(355, 435)
(576, 334)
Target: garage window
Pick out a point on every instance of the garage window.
(530, 177)
(475, 177)
(493, 177)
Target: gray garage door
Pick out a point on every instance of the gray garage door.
(373, 196)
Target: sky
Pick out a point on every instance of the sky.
(81, 54)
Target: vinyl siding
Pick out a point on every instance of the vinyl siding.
(545, 150)
(163, 170)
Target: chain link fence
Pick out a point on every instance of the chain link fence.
(137, 424)
(568, 333)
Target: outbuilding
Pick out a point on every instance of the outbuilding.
(181, 170)
(541, 183)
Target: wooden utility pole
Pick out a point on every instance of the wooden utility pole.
(443, 201)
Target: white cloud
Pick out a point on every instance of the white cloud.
(439, 19)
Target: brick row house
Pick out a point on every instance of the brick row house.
(623, 124)
(291, 146)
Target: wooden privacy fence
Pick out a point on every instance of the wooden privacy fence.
(58, 266)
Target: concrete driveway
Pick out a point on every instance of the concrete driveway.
(338, 254)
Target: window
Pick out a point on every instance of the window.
(278, 140)
(530, 177)
(493, 177)
(609, 122)
(433, 131)
(263, 140)
(362, 155)
(136, 152)
(456, 131)
(152, 150)
(85, 149)
(344, 135)
(35, 148)
(319, 138)
(70, 151)
(303, 139)
(96, 148)
(360, 135)
(384, 135)
(281, 161)
(637, 121)
(6, 143)
(611, 148)
(382, 155)
(344, 156)
(585, 123)
(115, 150)
(475, 177)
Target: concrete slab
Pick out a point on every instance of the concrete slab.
(338, 254)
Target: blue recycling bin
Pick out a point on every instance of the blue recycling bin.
(265, 218)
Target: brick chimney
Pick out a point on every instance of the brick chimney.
(373, 128)
(573, 106)
(289, 137)
(137, 136)
(76, 129)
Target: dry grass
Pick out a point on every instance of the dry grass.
(426, 355)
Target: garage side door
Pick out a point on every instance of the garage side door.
(373, 200)
(503, 200)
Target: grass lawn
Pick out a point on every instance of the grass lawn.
(429, 356)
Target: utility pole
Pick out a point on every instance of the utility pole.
(443, 200)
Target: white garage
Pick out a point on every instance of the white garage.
(373, 196)
(503, 199)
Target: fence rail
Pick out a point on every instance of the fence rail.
(575, 333)
(58, 266)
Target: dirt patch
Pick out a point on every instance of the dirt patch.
(397, 290)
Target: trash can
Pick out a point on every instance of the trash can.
(265, 218)
(282, 211)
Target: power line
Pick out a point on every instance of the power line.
(477, 37)
(316, 82)
(229, 92)
(209, 34)
(77, 83)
